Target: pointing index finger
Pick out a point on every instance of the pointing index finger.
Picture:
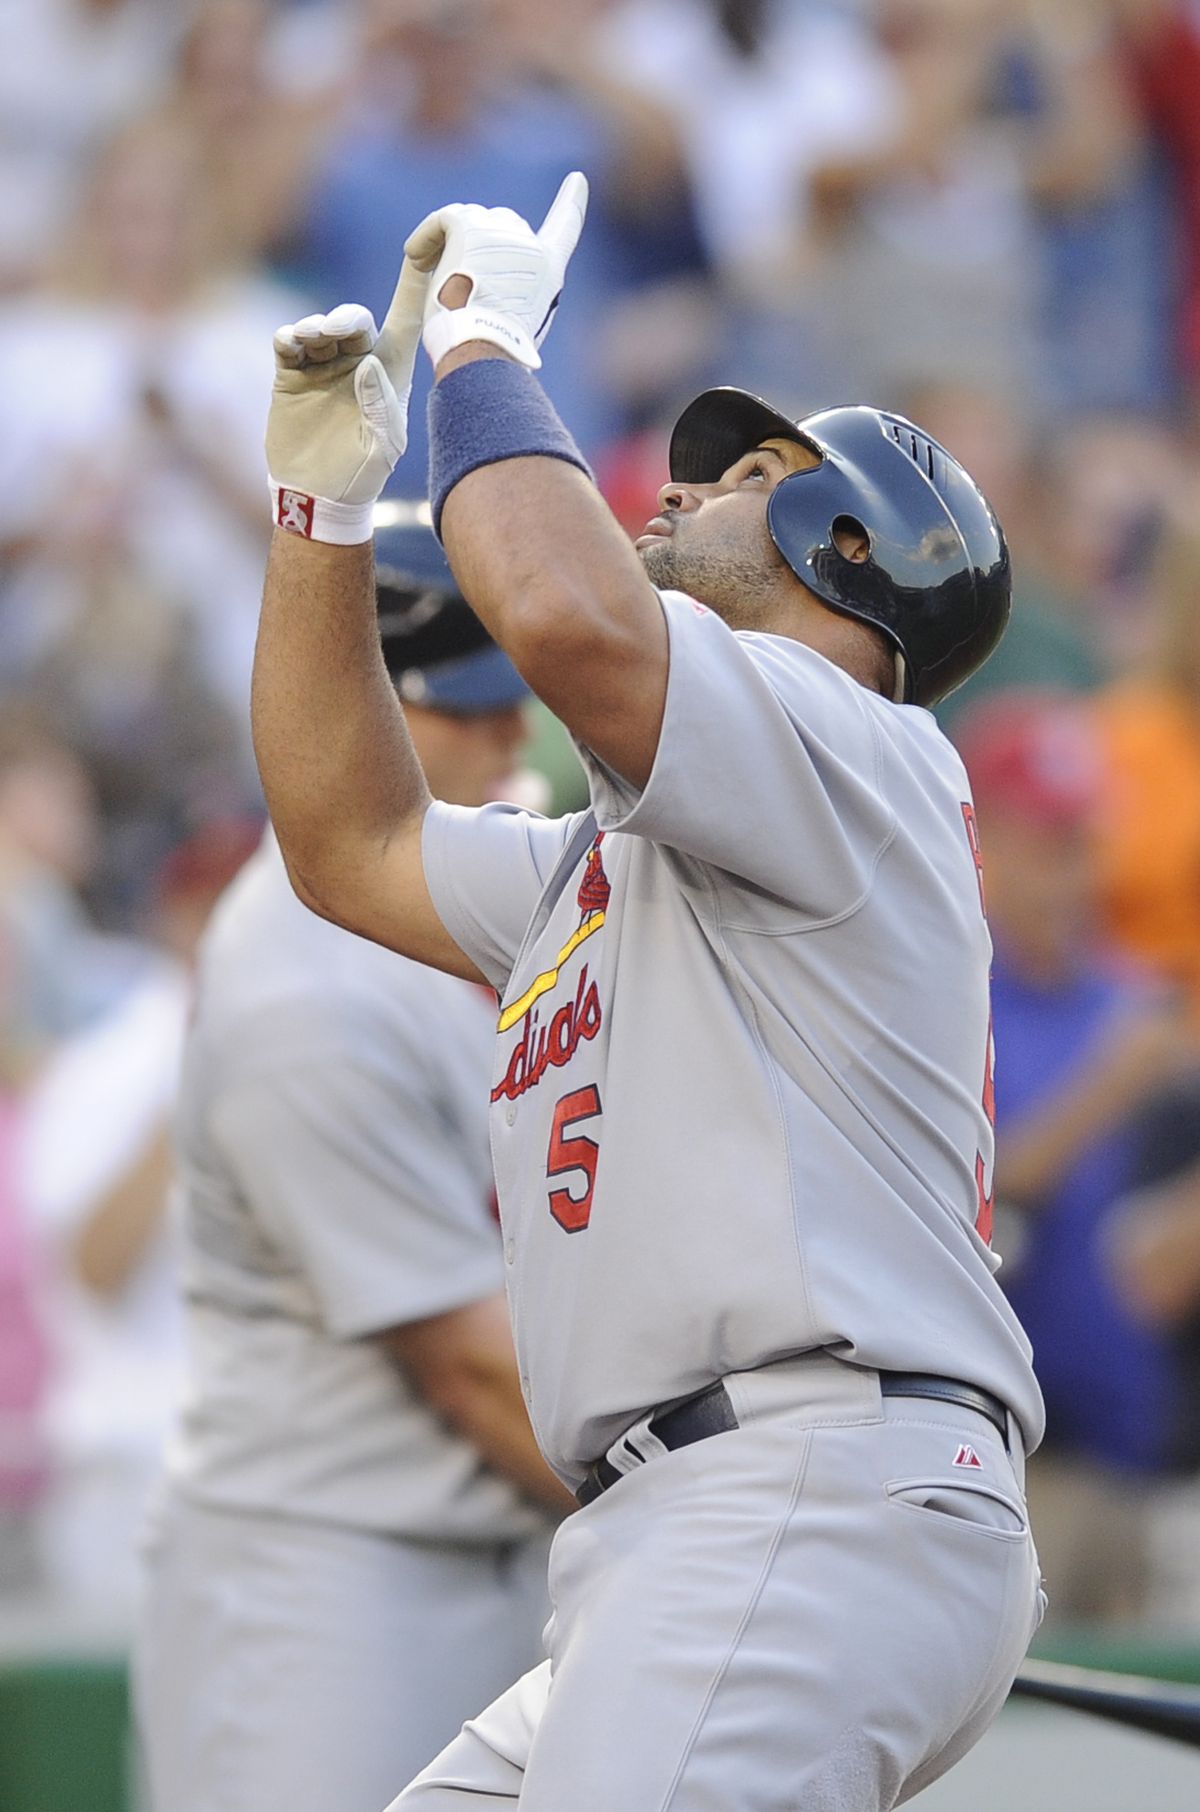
(564, 221)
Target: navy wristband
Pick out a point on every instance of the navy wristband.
(486, 411)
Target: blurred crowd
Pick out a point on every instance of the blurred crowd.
(985, 213)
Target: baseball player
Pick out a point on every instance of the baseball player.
(741, 1094)
(349, 1555)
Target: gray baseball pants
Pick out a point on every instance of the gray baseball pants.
(821, 1609)
(289, 1666)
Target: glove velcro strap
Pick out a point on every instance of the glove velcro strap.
(321, 518)
(485, 412)
(450, 327)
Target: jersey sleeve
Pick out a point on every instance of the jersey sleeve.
(768, 767)
(485, 868)
(351, 1163)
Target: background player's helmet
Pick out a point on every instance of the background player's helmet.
(937, 579)
(435, 648)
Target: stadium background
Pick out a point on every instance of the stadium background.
(985, 213)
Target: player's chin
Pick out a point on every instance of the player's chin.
(657, 557)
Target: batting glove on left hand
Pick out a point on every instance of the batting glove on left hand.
(339, 412)
(516, 275)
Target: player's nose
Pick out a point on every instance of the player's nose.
(679, 497)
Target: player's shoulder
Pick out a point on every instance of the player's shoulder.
(270, 967)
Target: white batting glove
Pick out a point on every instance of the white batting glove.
(339, 412)
(516, 275)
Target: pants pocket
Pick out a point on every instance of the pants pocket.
(966, 1502)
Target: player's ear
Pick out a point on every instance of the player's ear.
(851, 539)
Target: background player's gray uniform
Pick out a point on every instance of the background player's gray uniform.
(739, 1114)
(335, 1580)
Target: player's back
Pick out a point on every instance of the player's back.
(335, 1182)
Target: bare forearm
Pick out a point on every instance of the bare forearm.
(555, 579)
(462, 1364)
(1034, 1158)
(489, 1413)
(338, 768)
(520, 529)
(114, 1239)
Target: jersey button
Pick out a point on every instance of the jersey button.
(510, 1112)
(510, 1251)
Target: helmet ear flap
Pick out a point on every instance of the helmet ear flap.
(852, 538)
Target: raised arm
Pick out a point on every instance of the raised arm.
(342, 781)
(536, 550)
(533, 545)
(553, 576)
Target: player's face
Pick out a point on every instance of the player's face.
(712, 540)
(468, 759)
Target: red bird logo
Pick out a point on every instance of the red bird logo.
(594, 889)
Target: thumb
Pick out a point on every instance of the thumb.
(426, 243)
(564, 222)
(374, 391)
(384, 413)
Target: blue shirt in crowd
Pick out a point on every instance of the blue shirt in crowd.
(1109, 1380)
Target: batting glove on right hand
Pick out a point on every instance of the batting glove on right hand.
(516, 275)
(339, 412)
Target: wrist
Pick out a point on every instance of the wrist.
(469, 353)
(320, 518)
(489, 410)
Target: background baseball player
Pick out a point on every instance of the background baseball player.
(350, 1552)
(742, 1084)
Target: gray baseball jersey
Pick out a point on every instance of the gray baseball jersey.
(335, 1182)
(741, 1096)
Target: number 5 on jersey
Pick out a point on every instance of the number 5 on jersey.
(575, 1156)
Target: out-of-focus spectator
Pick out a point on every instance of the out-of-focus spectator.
(450, 102)
(1011, 134)
(96, 1171)
(1157, 1253)
(1083, 1047)
(1100, 211)
(1163, 44)
(930, 243)
(61, 972)
(256, 131)
(1150, 726)
(1045, 645)
(135, 383)
(764, 93)
(73, 71)
(23, 1345)
(1104, 486)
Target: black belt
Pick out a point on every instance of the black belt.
(710, 1412)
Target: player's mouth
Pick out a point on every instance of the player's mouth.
(655, 530)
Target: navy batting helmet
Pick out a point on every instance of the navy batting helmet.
(936, 580)
(437, 651)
